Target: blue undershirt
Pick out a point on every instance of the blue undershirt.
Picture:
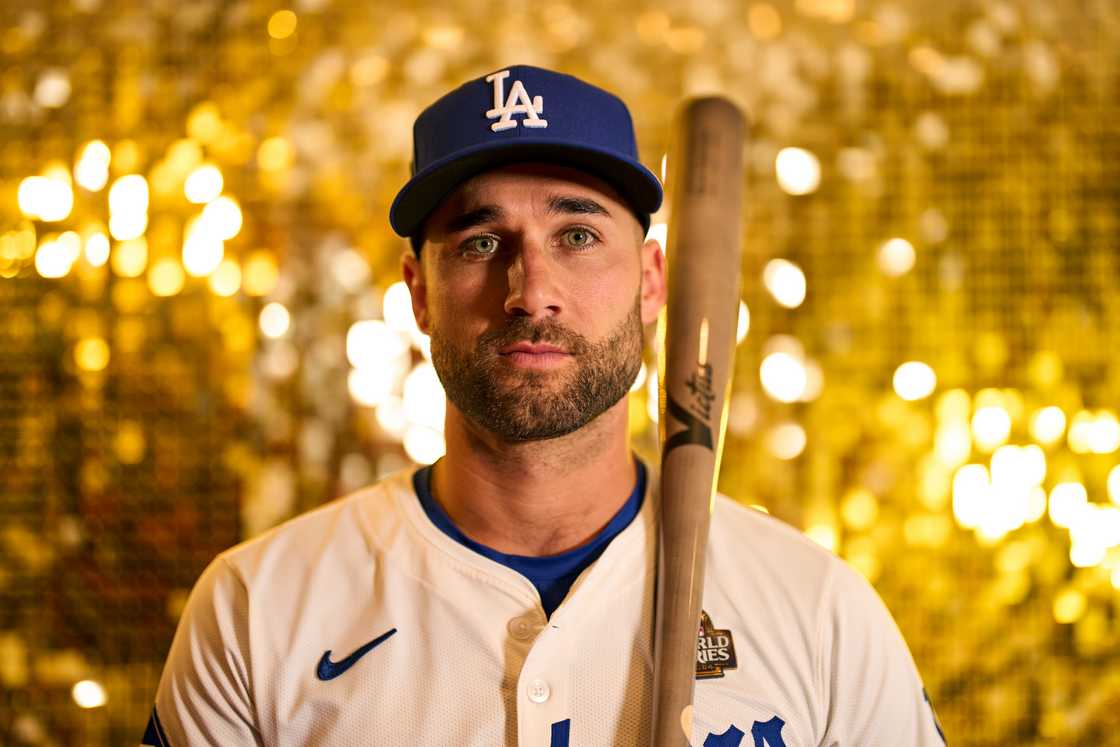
(552, 575)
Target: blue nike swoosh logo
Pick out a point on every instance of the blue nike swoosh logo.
(328, 669)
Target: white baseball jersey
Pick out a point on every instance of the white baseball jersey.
(362, 623)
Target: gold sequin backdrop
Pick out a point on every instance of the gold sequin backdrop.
(201, 334)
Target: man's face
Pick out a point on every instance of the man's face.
(535, 286)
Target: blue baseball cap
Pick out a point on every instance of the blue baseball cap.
(516, 115)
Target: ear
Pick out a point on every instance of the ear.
(412, 270)
(654, 290)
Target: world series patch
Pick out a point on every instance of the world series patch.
(715, 650)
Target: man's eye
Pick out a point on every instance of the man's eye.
(579, 237)
(481, 245)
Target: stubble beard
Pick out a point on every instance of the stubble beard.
(522, 405)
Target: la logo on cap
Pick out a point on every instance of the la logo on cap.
(518, 102)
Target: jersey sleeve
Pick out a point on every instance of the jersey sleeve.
(873, 690)
(204, 695)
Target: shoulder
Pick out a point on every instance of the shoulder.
(768, 549)
(788, 576)
(341, 533)
(773, 552)
(800, 604)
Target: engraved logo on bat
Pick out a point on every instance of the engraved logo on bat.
(698, 415)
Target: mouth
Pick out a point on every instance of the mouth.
(539, 356)
(532, 348)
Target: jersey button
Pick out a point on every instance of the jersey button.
(521, 628)
(539, 691)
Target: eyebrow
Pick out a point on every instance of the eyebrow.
(566, 205)
(576, 205)
(475, 217)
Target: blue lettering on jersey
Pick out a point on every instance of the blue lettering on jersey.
(768, 734)
(765, 734)
(730, 738)
(560, 732)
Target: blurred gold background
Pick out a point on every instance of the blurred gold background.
(202, 334)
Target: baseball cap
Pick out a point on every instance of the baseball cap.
(519, 114)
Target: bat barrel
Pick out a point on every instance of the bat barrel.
(706, 190)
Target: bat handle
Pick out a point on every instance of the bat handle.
(683, 540)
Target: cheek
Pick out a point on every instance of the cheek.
(458, 310)
(603, 298)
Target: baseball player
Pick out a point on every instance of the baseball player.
(504, 595)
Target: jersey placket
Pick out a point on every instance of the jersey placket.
(544, 686)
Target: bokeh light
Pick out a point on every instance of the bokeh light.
(97, 249)
(785, 281)
(424, 400)
(786, 440)
(859, 509)
(225, 281)
(261, 274)
(125, 226)
(1067, 501)
(282, 24)
(203, 248)
(203, 184)
(275, 320)
(783, 376)
(971, 490)
(824, 534)
(798, 170)
(92, 169)
(223, 217)
(129, 258)
(743, 324)
(55, 256)
(1048, 424)
(166, 277)
(640, 379)
(53, 89)
(92, 354)
(764, 20)
(46, 198)
(371, 385)
(397, 308)
(1113, 483)
(896, 257)
(914, 380)
(129, 194)
(423, 445)
(391, 416)
(89, 694)
(275, 154)
(991, 427)
(1069, 605)
(372, 343)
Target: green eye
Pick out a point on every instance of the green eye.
(579, 237)
(483, 245)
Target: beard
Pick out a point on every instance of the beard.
(524, 405)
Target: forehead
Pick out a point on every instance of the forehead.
(529, 186)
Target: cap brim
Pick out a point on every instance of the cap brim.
(636, 184)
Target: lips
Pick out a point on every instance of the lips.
(532, 348)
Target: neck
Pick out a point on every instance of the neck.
(536, 497)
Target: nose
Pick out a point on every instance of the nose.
(533, 287)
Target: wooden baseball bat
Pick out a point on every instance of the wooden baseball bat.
(705, 231)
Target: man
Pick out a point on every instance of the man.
(505, 595)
